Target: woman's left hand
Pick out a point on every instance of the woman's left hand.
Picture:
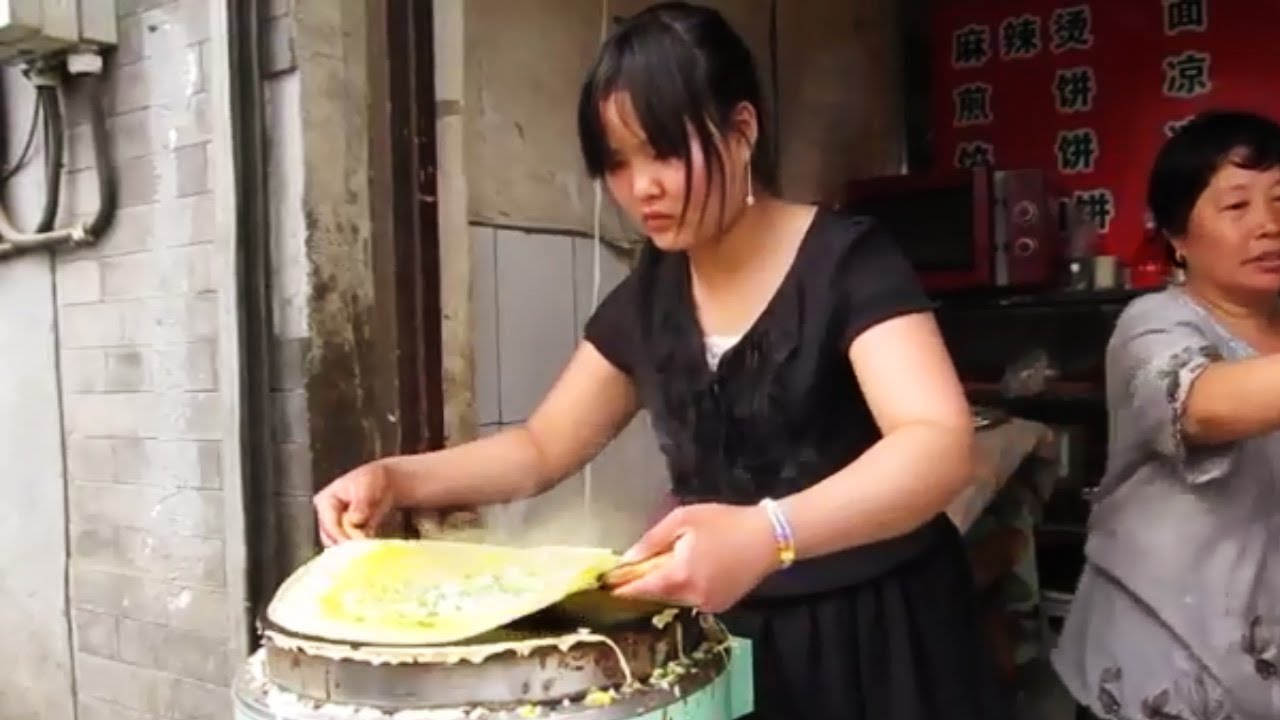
(719, 553)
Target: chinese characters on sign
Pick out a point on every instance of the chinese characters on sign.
(1184, 16)
(1174, 126)
(971, 46)
(1020, 37)
(1086, 91)
(1097, 205)
(975, 154)
(1186, 74)
(1077, 151)
(1073, 90)
(973, 104)
(1072, 29)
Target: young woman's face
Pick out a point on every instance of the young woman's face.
(1233, 234)
(652, 190)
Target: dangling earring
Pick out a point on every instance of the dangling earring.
(751, 193)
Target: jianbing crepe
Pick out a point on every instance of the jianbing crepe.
(428, 592)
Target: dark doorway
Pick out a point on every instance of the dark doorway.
(406, 237)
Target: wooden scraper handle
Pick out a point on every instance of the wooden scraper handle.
(628, 572)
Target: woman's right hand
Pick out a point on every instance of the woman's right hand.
(354, 505)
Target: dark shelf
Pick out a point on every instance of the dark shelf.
(1007, 299)
(1083, 405)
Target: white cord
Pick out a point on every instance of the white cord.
(596, 241)
(596, 244)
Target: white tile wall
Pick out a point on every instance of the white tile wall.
(484, 303)
(532, 295)
(612, 271)
(536, 317)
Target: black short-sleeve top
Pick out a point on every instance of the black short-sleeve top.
(782, 409)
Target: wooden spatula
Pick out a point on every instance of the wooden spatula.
(628, 572)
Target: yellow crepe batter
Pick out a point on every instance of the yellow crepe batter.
(428, 592)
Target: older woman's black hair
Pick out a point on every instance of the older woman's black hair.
(684, 68)
(1204, 145)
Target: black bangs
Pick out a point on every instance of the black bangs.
(684, 70)
(1261, 153)
(658, 73)
(1188, 161)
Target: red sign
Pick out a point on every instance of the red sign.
(1090, 90)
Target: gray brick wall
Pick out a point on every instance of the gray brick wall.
(138, 331)
(291, 285)
(142, 338)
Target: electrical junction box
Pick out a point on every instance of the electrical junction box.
(35, 28)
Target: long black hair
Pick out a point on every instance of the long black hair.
(1195, 153)
(685, 70)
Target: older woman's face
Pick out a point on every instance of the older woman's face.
(1233, 235)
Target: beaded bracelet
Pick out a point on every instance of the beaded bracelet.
(781, 532)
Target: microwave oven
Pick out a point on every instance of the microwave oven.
(976, 229)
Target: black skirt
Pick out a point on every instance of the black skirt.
(903, 645)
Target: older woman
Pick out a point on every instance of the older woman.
(1177, 615)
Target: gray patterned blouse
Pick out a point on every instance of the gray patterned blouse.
(1177, 614)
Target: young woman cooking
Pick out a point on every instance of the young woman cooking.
(811, 418)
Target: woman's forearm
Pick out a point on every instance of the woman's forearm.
(499, 468)
(1232, 400)
(897, 485)
(586, 407)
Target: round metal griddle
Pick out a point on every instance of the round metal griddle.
(543, 660)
